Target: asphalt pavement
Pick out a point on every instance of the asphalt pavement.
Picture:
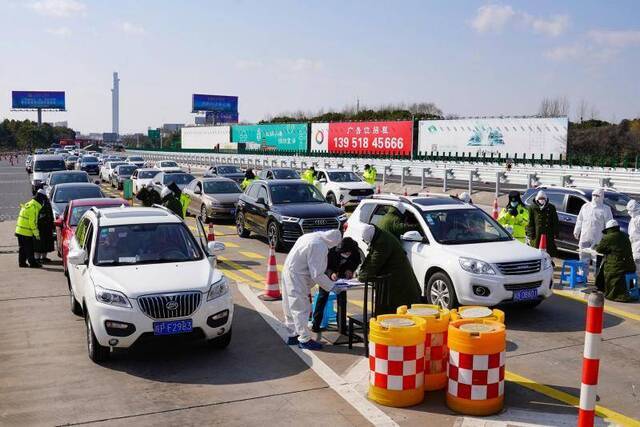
(47, 378)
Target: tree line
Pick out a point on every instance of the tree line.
(27, 135)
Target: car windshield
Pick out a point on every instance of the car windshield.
(145, 244)
(126, 170)
(221, 187)
(343, 177)
(72, 158)
(88, 159)
(178, 178)
(285, 174)
(295, 193)
(229, 169)
(147, 174)
(136, 159)
(66, 194)
(618, 204)
(48, 165)
(61, 178)
(114, 164)
(169, 164)
(464, 226)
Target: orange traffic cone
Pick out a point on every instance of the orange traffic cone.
(543, 243)
(211, 236)
(405, 191)
(272, 285)
(495, 212)
(378, 188)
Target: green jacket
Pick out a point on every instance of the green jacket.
(27, 224)
(172, 203)
(370, 175)
(518, 223)
(386, 256)
(618, 260)
(185, 199)
(308, 176)
(245, 183)
(393, 224)
(543, 221)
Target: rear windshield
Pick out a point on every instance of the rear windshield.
(169, 164)
(114, 164)
(126, 170)
(285, 174)
(147, 174)
(178, 178)
(229, 169)
(87, 159)
(64, 195)
(221, 187)
(68, 177)
(48, 165)
(72, 158)
(136, 159)
(78, 211)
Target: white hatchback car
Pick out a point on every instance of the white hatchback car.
(139, 272)
(459, 254)
(341, 187)
(168, 166)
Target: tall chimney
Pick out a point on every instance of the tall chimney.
(115, 101)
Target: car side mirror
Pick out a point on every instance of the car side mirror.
(216, 248)
(58, 222)
(413, 236)
(77, 256)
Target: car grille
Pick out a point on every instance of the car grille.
(310, 225)
(155, 306)
(228, 205)
(291, 232)
(361, 192)
(519, 286)
(519, 267)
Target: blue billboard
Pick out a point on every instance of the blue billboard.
(221, 117)
(214, 103)
(37, 99)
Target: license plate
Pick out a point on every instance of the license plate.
(173, 327)
(525, 294)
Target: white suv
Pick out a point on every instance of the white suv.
(138, 272)
(459, 254)
(341, 187)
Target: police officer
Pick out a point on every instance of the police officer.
(309, 175)
(249, 177)
(515, 216)
(27, 230)
(370, 174)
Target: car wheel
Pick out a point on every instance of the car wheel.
(440, 291)
(203, 214)
(273, 234)
(331, 198)
(97, 352)
(75, 306)
(222, 342)
(240, 226)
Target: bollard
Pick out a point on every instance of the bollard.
(445, 180)
(422, 178)
(591, 359)
(498, 177)
(402, 175)
(470, 187)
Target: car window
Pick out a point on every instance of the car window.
(320, 175)
(574, 204)
(67, 177)
(229, 169)
(221, 187)
(64, 195)
(343, 177)
(87, 241)
(252, 191)
(262, 192)
(557, 200)
(134, 175)
(169, 164)
(178, 178)
(286, 174)
(365, 211)
(618, 204)
(48, 165)
(269, 175)
(147, 174)
(81, 231)
(464, 226)
(378, 213)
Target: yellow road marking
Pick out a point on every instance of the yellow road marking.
(252, 255)
(241, 268)
(607, 308)
(233, 275)
(569, 399)
(231, 244)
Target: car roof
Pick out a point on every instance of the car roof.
(424, 202)
(67, 173)
(149, 170)
(47, 157)
(102, 201)
(282, 181)
(76, 184)
(572, 190)
(217, 178)
(137, 215)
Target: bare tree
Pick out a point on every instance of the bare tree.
(582, 109)
(554, 107)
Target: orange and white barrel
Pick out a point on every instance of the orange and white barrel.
(436, 352)
(476, 366)
(396, 360)
(477, 312)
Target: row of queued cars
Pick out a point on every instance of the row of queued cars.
(133, 273)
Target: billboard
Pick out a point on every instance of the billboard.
(32, 100)
(207, 137)
(534, 135)
(363, 137)
(221, 117)
(202, 102)
(277, 137)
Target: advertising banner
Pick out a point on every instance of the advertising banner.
(363, 137)
(201, 102)
(207, 137)
(277, 137)
(37, 99)
(495, 135)
(221, 117)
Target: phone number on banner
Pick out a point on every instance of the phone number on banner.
(366, 143)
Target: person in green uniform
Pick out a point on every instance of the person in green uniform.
(386, 256)
(309, 175)
(543, 219)
(394, 223)
(171, 201)
(249, 177)
(618, 261)
(27, 231)
(515, 216)
(370, 174)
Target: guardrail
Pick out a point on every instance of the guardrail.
(450, 174)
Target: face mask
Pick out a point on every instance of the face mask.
(542, 202)
(345, 255)
(513, 204)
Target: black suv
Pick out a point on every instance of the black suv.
(568, 202)
(283, 209)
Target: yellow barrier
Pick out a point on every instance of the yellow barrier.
(476, 366)
(436, 353)
(396, 360)
(477, 312)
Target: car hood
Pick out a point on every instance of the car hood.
(223, 198)
(138, 280)
(353, 185)
(307, 210)
(494, 252)
(39, 176)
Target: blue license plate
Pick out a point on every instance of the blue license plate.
(173, 327)
(525, 294)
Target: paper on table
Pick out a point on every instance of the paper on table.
(344, 283)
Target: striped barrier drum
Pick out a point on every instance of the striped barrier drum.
(477, 312)
(436, 352)
(396, 360)
(476, 366)
(591, 360)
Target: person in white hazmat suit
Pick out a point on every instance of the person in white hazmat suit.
(305, 267)
(591, 220)
(633, 208)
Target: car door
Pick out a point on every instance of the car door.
(568, 219)
(78, 273)
(262, 210)
(61, 231)
(195, 191)
(247, 204)
(419, 253)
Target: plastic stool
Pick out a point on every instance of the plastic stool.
(329, 314)
(576, 275)
(632, 285)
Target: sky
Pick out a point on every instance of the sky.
(470, 58)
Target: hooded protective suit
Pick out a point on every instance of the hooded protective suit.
(633, 208)
(591, 220)
(304, 267)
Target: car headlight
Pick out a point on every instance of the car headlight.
(547, 263)
(107, 296)
(342, 217)
(289, 219)
(475, 266)
(221, 287)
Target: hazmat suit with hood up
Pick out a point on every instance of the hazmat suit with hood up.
(305, 267)
(633, 208)
(591, 220)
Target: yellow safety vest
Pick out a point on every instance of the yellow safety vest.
(185, 199)
(27, 224)
(370, 175)
(518, 223)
